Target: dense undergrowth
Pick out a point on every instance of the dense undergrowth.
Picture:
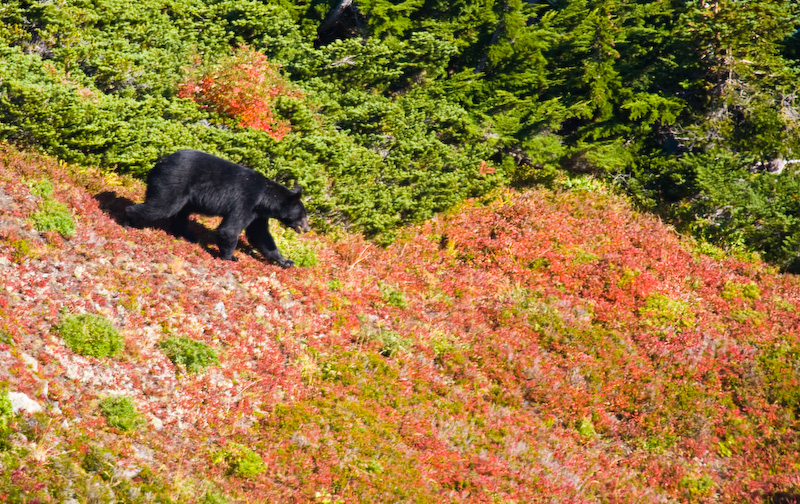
(389, 112)
(533, 346)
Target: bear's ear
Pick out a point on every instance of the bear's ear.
(297, 190)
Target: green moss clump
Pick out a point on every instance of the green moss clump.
(90, 334)
(194, 356)
(120, 413)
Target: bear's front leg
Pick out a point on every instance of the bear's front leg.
(258, 236)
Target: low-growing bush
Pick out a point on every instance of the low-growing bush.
(391, 342)
(393, 296)
(243, 87)
(5, 338)
(214, 497)
(120, 413)
(52, 214)
(100, 461)
(41, 188)
(6, 411)
(193, 356)
(241, 460)
(90, 334)
(22, 250)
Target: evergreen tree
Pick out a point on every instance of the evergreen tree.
(399, 102)
(740, 85)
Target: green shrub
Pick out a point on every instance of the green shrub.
(241, 460)
(214, 497)
(393, 296)
(22, 250)
(662, 312)
(586, 429)
(41, 188)
(733, 290)
(6, 416)
(6, 411)
(5, 338)
(90, 334)
(696, 487)
(194, 356)
(52, 214)
(391, 342)
(100, 461)
(120, 412)
(777, 369)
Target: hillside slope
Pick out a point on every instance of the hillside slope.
(538, 347)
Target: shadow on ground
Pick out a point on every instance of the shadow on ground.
(783, 498)
(115, 206)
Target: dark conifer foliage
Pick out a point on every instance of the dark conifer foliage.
(399, 109)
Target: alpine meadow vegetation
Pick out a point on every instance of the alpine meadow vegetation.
(529, 346)
(553, 258)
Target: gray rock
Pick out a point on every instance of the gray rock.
(21, 402)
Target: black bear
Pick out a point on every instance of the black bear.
(191, 181)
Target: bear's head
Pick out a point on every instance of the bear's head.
(293, 212)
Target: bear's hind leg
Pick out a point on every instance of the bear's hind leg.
(180, 225)
(227, 237)
(149, 211)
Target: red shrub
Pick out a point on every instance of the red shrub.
(244, 87)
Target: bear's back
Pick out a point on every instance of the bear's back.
(193, 163)
(208, 184)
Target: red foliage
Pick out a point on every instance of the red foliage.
(243, 87)
(549, 347)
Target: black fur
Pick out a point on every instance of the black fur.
(191, 181)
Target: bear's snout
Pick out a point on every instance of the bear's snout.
(302, 226)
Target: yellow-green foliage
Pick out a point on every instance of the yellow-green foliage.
(664, 312)
(22, 250)
(5, 411)
(52, 214)
(741, 290)
(393, 296)
(194, 356)
(90, 334)
(99, 461)
(294, 247)
(779, 367)
(120, 412)
(241, 460)
(391, 342)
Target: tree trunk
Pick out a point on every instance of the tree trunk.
(333, 16)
